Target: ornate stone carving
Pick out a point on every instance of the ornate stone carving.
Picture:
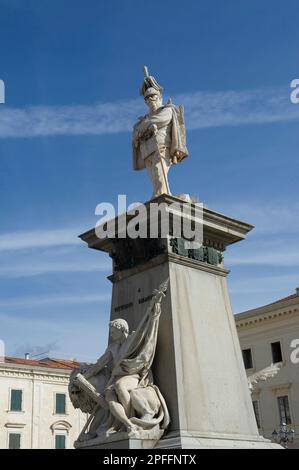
(263, 375)
(118, 390)
(204, 253)
(128, 253)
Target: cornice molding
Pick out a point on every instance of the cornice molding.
(281, 388)
(263, 317)
(61, 425)
(46, 377)
(15, 425)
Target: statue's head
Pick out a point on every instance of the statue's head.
(118, 329)
(153, 98)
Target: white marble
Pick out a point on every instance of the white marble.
(159, 137)
(118, 390)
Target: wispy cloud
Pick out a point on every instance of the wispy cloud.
(233, 108)
(28, 269)
(38, 332)
(268, 218)
(39, 301)
(281, 251)
(203, 110)
(38, 239)
(33, 253)
(283, 258)
(36, 349)
(266, 284)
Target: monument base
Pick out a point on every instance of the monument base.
(212, 441)
(120, 440)
(198, 364)
(182, 441)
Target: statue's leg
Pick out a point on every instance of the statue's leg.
(145, 402)
(165, 165)
(149, 163)
(117, 409)
(123, 387)
(158, 165)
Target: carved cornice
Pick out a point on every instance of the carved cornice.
(169, 257)
(128, 253)
(219, 229)
(30, 374)
(204, 254)
(15, 425)
(200, 265)
(60, 425)
(261, 318)
(118, 276)
(277, 389)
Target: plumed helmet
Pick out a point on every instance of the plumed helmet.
(151, 91)
(149, 84)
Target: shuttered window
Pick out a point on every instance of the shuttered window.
(284, 409)
(16, 400)
(14, 441)
(60, 403)
(59, 441)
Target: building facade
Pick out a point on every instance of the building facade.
(269, 335)
(35, 409)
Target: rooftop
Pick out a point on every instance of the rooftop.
(278, 308)
(46, 362)
(289, 297)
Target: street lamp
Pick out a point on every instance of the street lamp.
(284, 436)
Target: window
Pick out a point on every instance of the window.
(255, 405)
(59, 441)
(16, 400)
(14, 441)
(276, 352)
(247, 358)
(60, 404)
(284, 409)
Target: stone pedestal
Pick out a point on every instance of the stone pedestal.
(120, 440)
(198, 364)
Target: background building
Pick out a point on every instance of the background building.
(266, 335)
(35, 409)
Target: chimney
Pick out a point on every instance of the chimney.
(297, 291)
(27, 356)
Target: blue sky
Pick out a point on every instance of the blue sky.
(72, 72)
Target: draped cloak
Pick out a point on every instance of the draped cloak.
(139, 357)
(177, 134)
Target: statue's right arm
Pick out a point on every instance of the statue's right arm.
(94, 369)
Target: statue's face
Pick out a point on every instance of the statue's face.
(154, 102)
(116, 334)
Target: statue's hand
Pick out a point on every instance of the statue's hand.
(149, 131)
(158, 295)
(154, 129)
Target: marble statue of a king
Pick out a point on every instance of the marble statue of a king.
(159, 137)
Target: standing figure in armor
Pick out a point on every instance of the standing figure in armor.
(159, 137)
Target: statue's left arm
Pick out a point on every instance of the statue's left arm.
(94, 369)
